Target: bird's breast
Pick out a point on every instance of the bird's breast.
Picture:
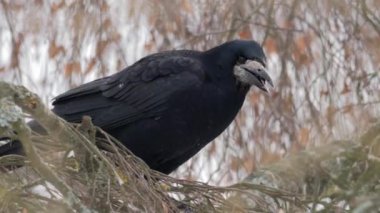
(193, 118)
(206, 113)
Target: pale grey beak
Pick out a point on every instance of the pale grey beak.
(253, 73)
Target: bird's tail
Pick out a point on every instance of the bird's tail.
(10, 147)
(14, 147)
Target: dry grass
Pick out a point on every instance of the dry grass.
(51, 176)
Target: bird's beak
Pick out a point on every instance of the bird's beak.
(253, 72)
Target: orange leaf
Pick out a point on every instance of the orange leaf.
(187, 6)
(149, 46)
(324, 93)
(269, 157)
(270, 45)
(254, 97)
(346, 89)
(71, 68)
(212, 149)
(245, 33)
(288, 24)
(57, 6)
(107, 23)
(331, 110)
(90, 65)
(348, 108)
(104, 7)
(235, 163)
(101, 46)
(300, 52)
(54, 50)
(303, 136)
(249, 163)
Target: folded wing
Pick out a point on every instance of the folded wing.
(137, 92)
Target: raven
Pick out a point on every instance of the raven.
(168, 105)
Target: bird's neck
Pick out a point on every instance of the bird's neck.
(222, 58)
(225, 54)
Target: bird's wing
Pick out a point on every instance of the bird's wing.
(139, 91)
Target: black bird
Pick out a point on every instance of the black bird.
(169, 105)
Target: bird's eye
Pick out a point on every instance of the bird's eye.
(241, 60)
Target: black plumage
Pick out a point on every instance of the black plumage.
(169, 105)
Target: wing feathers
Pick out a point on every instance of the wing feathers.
(85, 89)
(137, 92)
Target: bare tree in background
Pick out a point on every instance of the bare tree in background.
(323, 56)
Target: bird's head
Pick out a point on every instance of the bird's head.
(250, 65)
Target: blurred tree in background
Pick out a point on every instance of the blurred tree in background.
(323, 56)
